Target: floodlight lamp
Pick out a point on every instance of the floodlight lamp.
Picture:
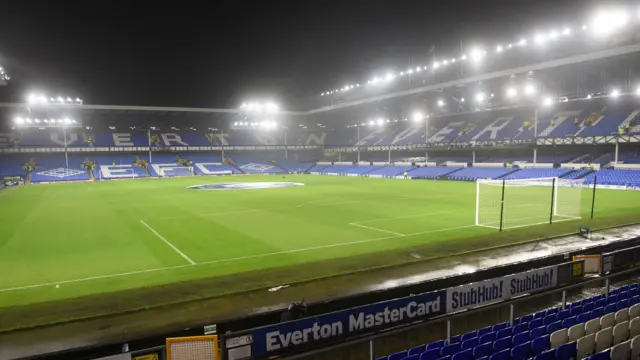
(547, 101)
(461, 99)
(453, 60)
(235, 123)
(380, 122)
(371, 122)
(553, 34)
(463, 57)
(28, 121)
(436, 65)
(638, 91)
(46, 121)
(522, 42)
(589, 96)
(417, 116)
(539, 39)
(410, 71)
(69, 99)
(52, 99)
(418, 69)
(529, 89)
(608, 21)
(389, 77)
(424, 68)
(512, 92)
(401, 73)
(19, 120)
(615, 93)
(78, 100)
(499, 48)
(440, 102)
(445, 62)
(60, 99)
(480, 97)
(566, 31)
(510, 46)
(37, 121)
(477, 54)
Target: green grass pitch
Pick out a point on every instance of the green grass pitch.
(62, 241)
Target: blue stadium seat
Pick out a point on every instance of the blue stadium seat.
(451, 349)
(554, 326)
(549, 319)
(610, 308)
(526, 318)
(469, 335)
(482, 350)
(553, 311)
(588, 306)
(382, 358)
(501, 344)
(546, 355)
(521, 351)
(612, 299)
(483, 331)
(469, 344)
(520, 328)
(416, 350)
(562, 314)
(635, 300)
(583, 318)
(538, 345)
(597, 312)
(398, 355)
(576, 310)
(435, 345)
(501, 355)
(569, 322)
(432, 354)
(503, 333)
(454, 339)
(535, 323)
(500, 326)
(537, 332)
(566, 351)
(600, 303)
(603, 355)
(463, 355)
(622, 304)
(540, 314)
(520, 338)
(412, 357)
(448, 357)
(490, 337)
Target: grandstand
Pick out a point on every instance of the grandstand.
(329, 203)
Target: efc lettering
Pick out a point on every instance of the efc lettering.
(531, 282)
(413, 309)
(476, 295)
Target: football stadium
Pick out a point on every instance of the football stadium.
(479, 204)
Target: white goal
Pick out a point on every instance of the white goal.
(504, 204)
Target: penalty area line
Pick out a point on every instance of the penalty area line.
(233, 259)
(376, 229)
(167, 242)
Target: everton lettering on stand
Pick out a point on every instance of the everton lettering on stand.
(339, 325)
(504, 288)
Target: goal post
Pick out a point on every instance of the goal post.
(504, 204)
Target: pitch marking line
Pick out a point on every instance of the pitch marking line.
(401, 217)
(168, 243)
(376, 229)
(232, 259)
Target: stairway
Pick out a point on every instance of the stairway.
(444, 176)
(281, 167)
(507, 174)
(550, 128)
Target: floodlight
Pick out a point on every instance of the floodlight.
(480, 97)
(522, 42)
(370, 122)
(410, 71)
(553, 34)
(425, 68)
(322, 94)
(418, 68)
(609, 21)
(638, 91)
(499, 48)
(19, 120)
(512, 92)
(529, 89)
(463, 57)
(539, 39)
(37, 121)
(69, 99)
(584, 27)
(272, 108)
(60, 99)
(436, 65)
(46, 121)
(401, 73)
(453, 60)
(78, 100)
(380, 122)
(461, 99)
(477, 54)
(547, 101)
(566, 31)
(357, 85)
(510, 46)
(28, 121)
(235, 123)
(417, 116)
(615, 93)
(389, 77)
(445, 62)
(589, 96)
(52, 99)
(440, 102)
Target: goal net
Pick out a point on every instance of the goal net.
(504, 204)
(175, 171)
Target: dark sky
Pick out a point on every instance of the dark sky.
(217, 53)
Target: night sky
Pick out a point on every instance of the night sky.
(219, 53)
